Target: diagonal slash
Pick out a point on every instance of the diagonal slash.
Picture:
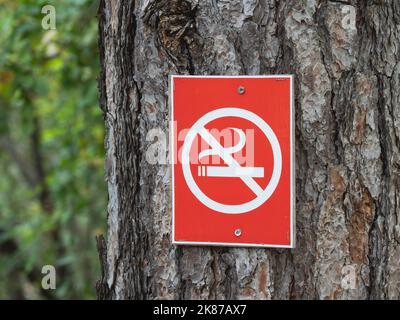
(229, 160)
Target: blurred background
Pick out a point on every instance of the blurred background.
(52, 189)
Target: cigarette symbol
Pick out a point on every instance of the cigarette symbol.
(215, 171)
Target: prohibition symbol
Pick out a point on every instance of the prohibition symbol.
(246, 174)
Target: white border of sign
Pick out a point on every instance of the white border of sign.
(292, 167)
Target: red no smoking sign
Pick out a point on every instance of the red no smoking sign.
(233, 154)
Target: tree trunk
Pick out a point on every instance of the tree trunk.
(347, 105)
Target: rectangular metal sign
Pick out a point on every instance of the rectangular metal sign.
(232, 141)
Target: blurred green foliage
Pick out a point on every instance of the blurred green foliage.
(52, 190)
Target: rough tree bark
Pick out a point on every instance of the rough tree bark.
(347, 130)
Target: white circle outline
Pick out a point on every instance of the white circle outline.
(276, 150)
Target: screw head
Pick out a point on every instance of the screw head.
(238, 232)
(241, 90)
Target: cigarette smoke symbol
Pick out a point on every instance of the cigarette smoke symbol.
(220, 171)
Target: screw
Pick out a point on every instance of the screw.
(238, 232)
(241, 90)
